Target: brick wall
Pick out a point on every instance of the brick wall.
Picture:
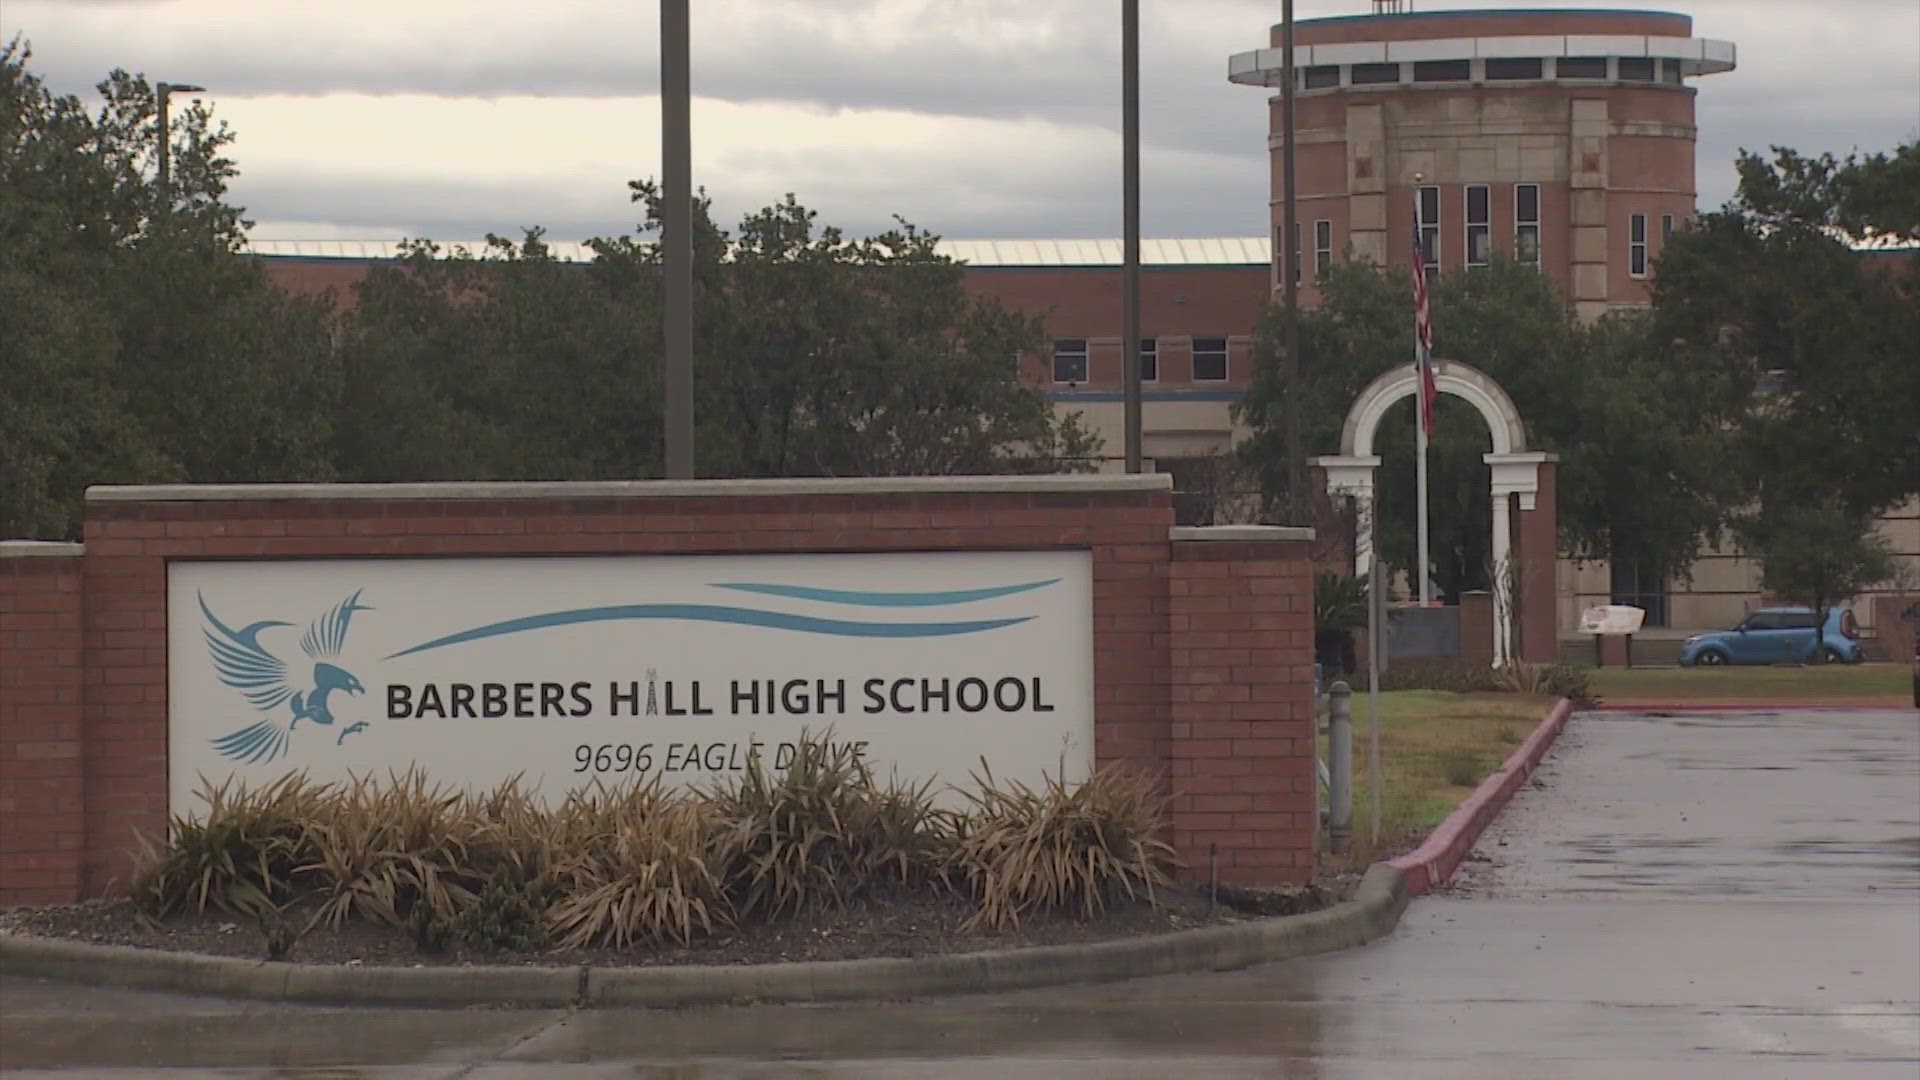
(1240, 650)
(40, 687)
(1187, 634)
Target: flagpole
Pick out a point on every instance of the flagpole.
(1420, 481)
(1419, 423)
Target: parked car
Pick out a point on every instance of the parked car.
(1776, 635)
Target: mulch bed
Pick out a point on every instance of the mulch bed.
(902, 926)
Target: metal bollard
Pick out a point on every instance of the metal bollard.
(1340, 755)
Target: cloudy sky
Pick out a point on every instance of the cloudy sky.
(979, 119)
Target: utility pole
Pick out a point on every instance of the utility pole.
(676, 189)
(1130, 223)
(163, 97)
(1298, 504)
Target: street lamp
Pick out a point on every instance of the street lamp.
(164, 91)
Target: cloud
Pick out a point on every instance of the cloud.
(974, 117)
(416, 166)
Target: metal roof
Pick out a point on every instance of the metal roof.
(1205, 251)
(1215, 251)
(386, 249)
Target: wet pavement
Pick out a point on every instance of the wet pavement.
(1693, 897)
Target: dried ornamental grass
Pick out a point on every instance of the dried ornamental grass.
(820, 831)
(1023, 850)
(239, 856)
(382, 851)
(641, 870)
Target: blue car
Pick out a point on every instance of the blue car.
(1776, 635)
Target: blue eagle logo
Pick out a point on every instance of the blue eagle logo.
(243, 663)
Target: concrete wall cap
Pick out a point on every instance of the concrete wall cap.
(24, 549)
(631, 489)
(1239, 532)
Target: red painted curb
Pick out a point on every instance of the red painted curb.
(1750, 706)
(1433, 862)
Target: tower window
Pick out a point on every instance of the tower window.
(1526, 223)
(1479, 226)
(1514, 67)
(1637, 68)
(1670, 71)
(1637, 245)
(1321, 76)
(1581, 67)
(1368, 74)
(1430, 228)
(1322, 247)
(1444, 71)
(1149, 360)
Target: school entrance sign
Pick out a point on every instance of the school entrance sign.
(610, 668)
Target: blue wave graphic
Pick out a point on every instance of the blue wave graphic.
(712, 613)
(884, 599)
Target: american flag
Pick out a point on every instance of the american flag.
(1422, 325)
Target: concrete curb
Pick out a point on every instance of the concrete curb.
(1373, 912)
(1433, 862)
(226, 976)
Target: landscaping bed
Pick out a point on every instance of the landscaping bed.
(900, 926)
(817, 861)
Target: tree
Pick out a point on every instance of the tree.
(1768, 297)
(499, 364)
(1639, 477)
(1818, 553)
(817, 356)
(1876, 195)
(825, 356)
(141, 345)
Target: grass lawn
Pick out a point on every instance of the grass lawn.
(1435, 748)
(1821, 684)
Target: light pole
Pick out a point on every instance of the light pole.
(676, 191)
(1298, 505)
(1130, 224)
(164, 93)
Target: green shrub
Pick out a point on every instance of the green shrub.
(1439, 674)
(508, 915)
(1553, 680)
(1077, 847)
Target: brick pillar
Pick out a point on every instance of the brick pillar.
(41, 823)
(1537, 549)
(1240, 646)
(1476, 628)
(1611, 650)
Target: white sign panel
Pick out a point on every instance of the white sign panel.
(1612, 619)
(567, 670)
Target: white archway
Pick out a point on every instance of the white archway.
(1516, 470)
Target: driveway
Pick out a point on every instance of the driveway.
(1686, 897)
